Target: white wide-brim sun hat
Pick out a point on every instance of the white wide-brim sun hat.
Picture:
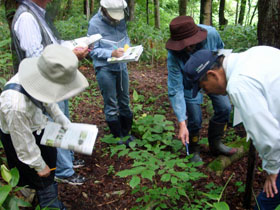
(52, 77)
(114, 8)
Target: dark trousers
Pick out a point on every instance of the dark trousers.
(269, 203)
(46, 188)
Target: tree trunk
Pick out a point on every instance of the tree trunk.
(253, 15)
(236, 11)
(131, 7)
(219, 164)
(147, 12)
(248, 13)
(242, 12)
(157, 15)
(250, 176)
(182, 7)
(10, 9)
(222, 20)
(87, 9)
(269, 23)
(91, 6)
(206, 12)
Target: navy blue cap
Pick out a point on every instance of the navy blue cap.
(197, 65)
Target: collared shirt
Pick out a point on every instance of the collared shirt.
(20, 117)
(180, 90)
(29, 35)
(253, 81)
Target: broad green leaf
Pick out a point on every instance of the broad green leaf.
(174, 180)
(134, 181)
(182, 192)
(22, 203)
(129, 172)
(163, 205)
(15, 177)
(135, 96)
(11, 203)
(165, 177)
(181, 165)
(221, 206)
(148, 174)
(4, 192)
(169, 128)
(211, 196)
(109, 139)
(6, 174)
(132, 144)
(123, 153)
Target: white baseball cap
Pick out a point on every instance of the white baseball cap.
(115, 8)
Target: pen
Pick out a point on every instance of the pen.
(115, 47)
(52, 169)
(187, 149)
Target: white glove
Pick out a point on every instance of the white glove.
(62, 120)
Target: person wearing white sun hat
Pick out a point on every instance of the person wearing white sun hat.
(32, 30)
(113, 81)
(37, 87)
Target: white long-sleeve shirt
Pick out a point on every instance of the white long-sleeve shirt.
(28, 33)
(20, 117)
(253, 84)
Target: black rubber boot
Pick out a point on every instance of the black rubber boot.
(115, 128)
(126, 123)
(215, 135)
(194, 147)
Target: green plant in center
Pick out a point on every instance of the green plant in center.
(157, 173)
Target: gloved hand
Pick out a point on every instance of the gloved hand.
(62, 120)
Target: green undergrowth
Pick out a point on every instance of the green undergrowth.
(158, 172)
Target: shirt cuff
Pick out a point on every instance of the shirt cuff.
(41, 167)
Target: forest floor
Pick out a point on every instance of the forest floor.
(103, 189)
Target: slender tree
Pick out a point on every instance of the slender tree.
(88, 9)
(236, 11)
(157, 15)
(182, 7)
(91, 6)
(206, 12)
(254, 12)
(269, 23)
(248, 12)
(131, 7)
(242, 11)
(222, 20)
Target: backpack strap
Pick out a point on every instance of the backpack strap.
(19, 88)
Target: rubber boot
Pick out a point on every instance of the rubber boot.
(126, 123)
(215, 135)
(194, 147)
(115, 129)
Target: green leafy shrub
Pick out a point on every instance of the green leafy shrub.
(156, 161)
(239, 38)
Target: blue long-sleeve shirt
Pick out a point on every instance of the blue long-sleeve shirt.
(113, 36)
(179, 89)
